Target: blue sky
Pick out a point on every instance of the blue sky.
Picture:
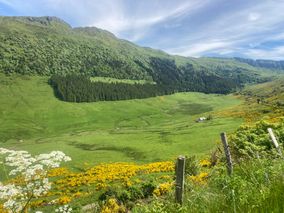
(222, 28)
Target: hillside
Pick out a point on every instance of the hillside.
(272, 91)
(48, 45)
(269, 64)
(263, 101)
(269, 94)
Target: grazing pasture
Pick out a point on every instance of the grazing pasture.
(147, 130)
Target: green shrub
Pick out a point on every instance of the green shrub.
(148, 189)
(107, 194)
(254, 141)
(135, 193)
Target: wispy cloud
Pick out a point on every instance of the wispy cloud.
(195, 50)
(139, 20)
(238, 32)
(274, 53)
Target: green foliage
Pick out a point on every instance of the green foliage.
(135, 193)
(148, 189)
(47, 46)
(110, 192)
(254, 141)
(186, 78)
(79, 88)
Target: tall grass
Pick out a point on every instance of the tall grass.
(255, 186)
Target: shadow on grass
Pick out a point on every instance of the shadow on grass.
(191, 108)
(129, 152)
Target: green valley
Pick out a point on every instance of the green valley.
(147, 130)
(124, 113)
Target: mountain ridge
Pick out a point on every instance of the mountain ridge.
(48, 45)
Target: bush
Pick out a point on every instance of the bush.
(135, 193)
(124, 196)
(108, 194)
(148, 189)
(254, 141)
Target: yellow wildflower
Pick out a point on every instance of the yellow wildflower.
(2, 210)
(64, 200)
(163, 189)
(112, 206)
(58, 172)
(205, 163)
(199, 179)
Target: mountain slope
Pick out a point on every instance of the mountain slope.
(269, 92)
(48, 45)
(269, 64)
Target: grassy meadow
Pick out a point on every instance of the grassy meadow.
(142, 131)
(115, 80)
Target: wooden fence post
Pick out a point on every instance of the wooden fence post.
(180, 167)
(274, 141)
(227, 153)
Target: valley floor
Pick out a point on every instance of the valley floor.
(147, 130)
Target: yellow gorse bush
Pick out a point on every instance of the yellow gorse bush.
(68, 185)
(163, 189)
(205, 163)
(108, 172)
(112, 206)
(2, 210)
(64, 200)
(58, 172)
(199, 179)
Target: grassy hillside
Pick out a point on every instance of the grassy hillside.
(266, 99)
(269, 64)
(261, 101)
(271, 92)
(48, 45)
(137, 130)
(115, 80)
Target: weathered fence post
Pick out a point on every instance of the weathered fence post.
(180, 167)
(227, 153)
(274, 141)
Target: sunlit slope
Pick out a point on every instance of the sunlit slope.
(48, 45)
(137, 130)
(272, 92)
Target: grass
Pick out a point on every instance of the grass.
(271, 91)
(143, 131)
(255, 186)
(115, 80)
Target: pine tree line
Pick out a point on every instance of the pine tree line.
(79, 88)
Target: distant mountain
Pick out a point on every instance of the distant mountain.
(269, 64)
(49, 45)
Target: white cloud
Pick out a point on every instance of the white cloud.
(196, 50)
(238, 32)
(276, 53)
(140, 20)
(253, 16)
